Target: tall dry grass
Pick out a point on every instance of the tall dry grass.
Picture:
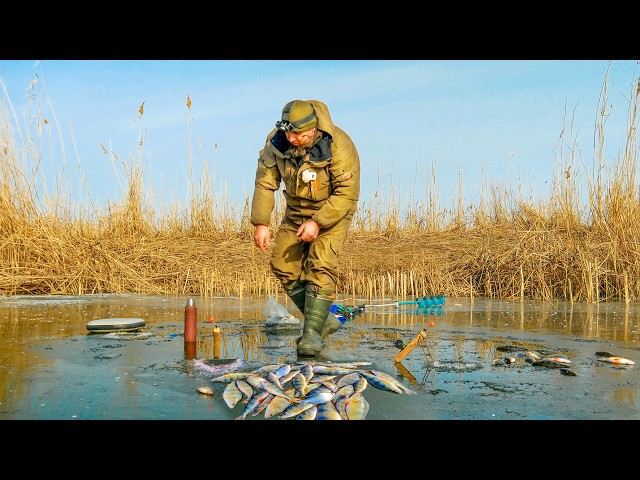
(507, 246)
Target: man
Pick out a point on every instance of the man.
(320, 168)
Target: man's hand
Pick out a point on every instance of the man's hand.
(262, 237)
(308, 231)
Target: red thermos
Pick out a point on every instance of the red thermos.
(190, 321)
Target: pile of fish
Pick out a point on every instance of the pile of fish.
(554, 360)
(306, 390)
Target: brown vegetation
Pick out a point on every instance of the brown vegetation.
(506, 247)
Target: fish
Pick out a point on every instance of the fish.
(308, 414)
(273, 378)
(317, 390)
(233, 376)
(285, 378)
(254, 403)
(362, 383)
(393, 380)
(310, 387)
(605, 354)
(276, 406)
(232, 395)
(385, 382)
(341, 397)
(321, 377)
(267, 368)
(262, 384)
(307, 371)
(357, 407)
(358, 381)
(330, 370)
(568, 372)
(205, 390)
(328, 411)
(300, 383)
(262, 405)
(559, 358)
(549, 363)
(617, 360)
(322, 388)
(246, 389)
(348, 379)
(330, 385)
(336, 364)
(320, 397)
(296, 409)
(380, 383)
(282, 371)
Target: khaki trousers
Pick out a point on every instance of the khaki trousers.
(313, 263)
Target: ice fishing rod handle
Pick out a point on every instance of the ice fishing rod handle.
(410, 346)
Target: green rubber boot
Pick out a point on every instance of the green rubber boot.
(316, 310)
(297, 294)
(331, 325)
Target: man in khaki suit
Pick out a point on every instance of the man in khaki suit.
(319, 166)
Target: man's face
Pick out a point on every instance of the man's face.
(300, 139)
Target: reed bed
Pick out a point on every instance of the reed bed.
(506, 247)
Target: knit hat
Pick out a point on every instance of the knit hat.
(298, 116)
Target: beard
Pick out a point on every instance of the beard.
(302, 150)
(297, 152)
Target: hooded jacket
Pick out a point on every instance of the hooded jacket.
(324, 185)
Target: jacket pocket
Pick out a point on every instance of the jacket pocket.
(317, 186)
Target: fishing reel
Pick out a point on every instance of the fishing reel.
(344, 313)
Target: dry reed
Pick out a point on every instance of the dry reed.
(506, 247)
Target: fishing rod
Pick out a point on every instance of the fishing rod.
(343, 312)
(423, 302)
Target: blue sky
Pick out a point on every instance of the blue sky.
(484, 122)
